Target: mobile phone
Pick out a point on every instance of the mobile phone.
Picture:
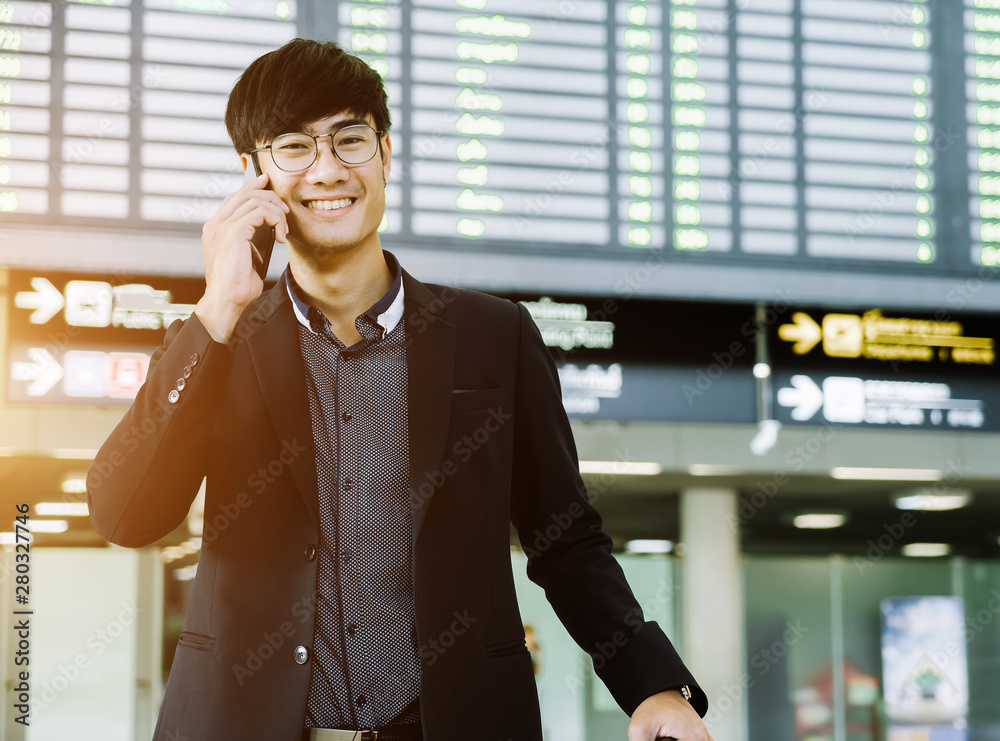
(263, 235)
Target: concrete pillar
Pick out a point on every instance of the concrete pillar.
(713, 607)
(149, 641)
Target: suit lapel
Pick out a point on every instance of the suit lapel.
(430, 356)
(430, 360)
(278, 363)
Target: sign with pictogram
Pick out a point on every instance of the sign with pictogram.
(75, 338)
(873, 368)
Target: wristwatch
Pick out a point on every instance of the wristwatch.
(685, 691)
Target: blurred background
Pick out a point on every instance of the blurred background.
(761, 238)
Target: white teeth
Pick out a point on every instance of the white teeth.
(329, 205)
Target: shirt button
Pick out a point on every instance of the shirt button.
(310, 552)
(301, 654)
(187, 371)
(193, 361)
(345, 555)
(348, 485)
(360, 701)
(181, 383)
(174, 396)
(352, 629)
(346, 416)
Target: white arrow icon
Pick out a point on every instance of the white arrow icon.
(805, 396)
(46, 300)
(43, 371)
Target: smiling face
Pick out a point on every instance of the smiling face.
(334, 208)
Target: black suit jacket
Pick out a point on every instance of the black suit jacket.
(490, 444)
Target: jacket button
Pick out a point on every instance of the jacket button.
(187, 371)
(174, 396)
(310, 552)
(181, 383)
(301, 654)
(193, 361)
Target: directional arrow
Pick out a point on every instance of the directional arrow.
(46, 300)
(43, 371)
(805, 396)
(805, 333)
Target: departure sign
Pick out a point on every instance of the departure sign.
(982, 45)
(87, 339)
(104, 123)
(805, 133)
(868, 142)
(886, 369)
(699, 368)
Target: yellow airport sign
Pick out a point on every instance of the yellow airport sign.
(872, 335)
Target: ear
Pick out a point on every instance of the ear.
(245, 159)
(386, 156)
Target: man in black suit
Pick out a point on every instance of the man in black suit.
(366, 440)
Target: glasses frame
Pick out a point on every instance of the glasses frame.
(333, 148)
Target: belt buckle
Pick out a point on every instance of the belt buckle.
(369, 736)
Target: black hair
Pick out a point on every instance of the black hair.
(300, 82)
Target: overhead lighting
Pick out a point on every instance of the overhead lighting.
(713, 469)
(761, 370)
(186, 573)
(62, 509)
(649, 546)
(819, 520)
(926, 500)
(187, 548)
(74, 483)
(926, 550)
(631, 468)
(79, 454)
(887, 474)
(48, 526)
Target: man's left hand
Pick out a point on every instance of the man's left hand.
(667, 714)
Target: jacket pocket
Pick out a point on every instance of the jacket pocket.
(196, 641)
(476, 399)
(507, 648)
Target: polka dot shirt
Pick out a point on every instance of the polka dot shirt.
(365, 661)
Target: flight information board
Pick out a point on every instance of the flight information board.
(860, 134)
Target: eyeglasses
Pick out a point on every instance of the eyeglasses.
(353, 145)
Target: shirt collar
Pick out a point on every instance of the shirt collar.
(386, 312)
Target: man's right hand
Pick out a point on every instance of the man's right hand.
(231, 281)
